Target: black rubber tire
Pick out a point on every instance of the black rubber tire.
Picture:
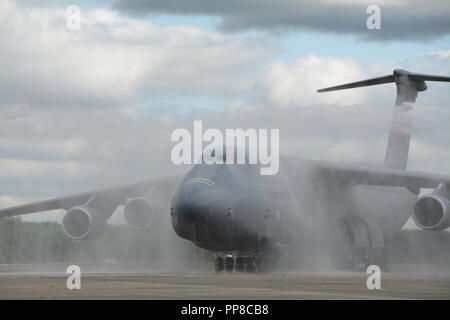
(219, 264)
(240, 264)
(229, 264)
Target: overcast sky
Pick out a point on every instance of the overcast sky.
(93, 108)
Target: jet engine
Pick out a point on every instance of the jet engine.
(432, 212)
(138, 212)
(83, 223)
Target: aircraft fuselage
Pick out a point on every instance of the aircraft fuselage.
(224, 207)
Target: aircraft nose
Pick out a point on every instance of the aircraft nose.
(193, 202)
(192, 213)
(198, 212)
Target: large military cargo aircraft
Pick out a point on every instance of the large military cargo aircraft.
(347, 211)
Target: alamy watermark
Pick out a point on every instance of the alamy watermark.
(374, 20)
(374, 280)
(73, 281)
(236, 146)
(73, 18)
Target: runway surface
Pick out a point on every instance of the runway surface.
(48, 281)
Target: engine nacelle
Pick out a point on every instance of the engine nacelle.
(83, 223)
(432, 212)
(138, 212)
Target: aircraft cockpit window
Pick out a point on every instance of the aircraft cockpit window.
(218, 156)
(230, 156)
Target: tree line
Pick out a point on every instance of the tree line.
(45, 242)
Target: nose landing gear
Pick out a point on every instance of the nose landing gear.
(240, 264)
(226, 264)
(229, 263)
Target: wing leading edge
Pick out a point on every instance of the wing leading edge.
(118, 195)
(382, 176)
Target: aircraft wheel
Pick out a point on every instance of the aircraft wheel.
(240, 264)
(346, 261)
(354, 258)
(218, 264)
(229, 263)
(360, 259)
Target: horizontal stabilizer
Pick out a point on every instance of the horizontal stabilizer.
(408, 85)
(363, 83)
(428, 77)
(398, 76)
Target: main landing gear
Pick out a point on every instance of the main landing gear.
(359, 258)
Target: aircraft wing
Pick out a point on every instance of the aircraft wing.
(364, 83)
(381, 176)
(116, 195)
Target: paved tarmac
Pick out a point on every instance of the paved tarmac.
(48, 281)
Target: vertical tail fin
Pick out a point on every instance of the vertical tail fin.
(408, 84)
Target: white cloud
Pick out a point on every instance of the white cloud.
(8, 201)
(113, 59)
(48, 151)
(431, 63)
(353, 149)
(28, 169)
(294, 85)
(405, 20)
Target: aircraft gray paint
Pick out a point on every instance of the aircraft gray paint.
(350, 209)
